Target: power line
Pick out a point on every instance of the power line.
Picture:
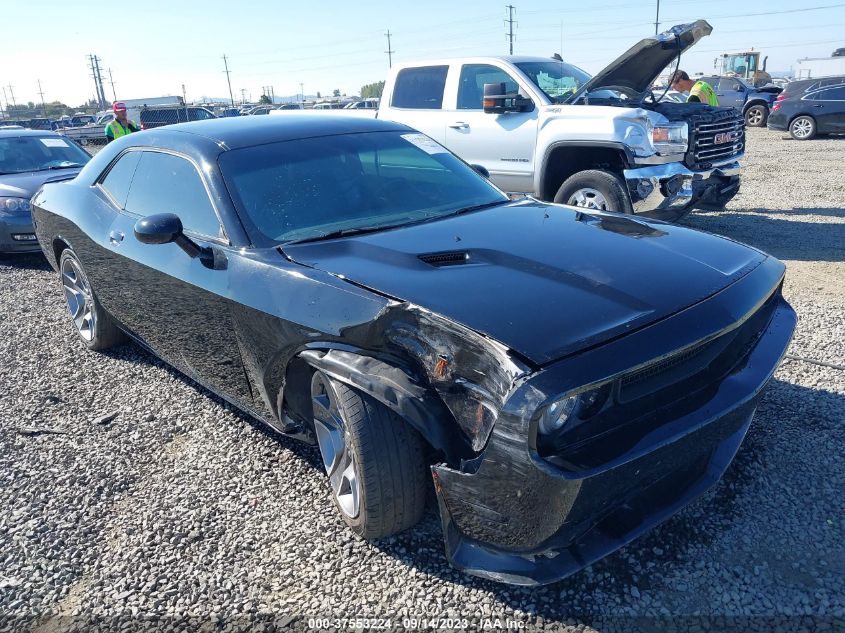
(228, 80)
(509, 22)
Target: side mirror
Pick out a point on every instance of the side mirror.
(164, 228)
(481, 170)
(496, 101)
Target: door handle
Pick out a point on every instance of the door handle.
(459, 125)
(817, 105)
(116, 237)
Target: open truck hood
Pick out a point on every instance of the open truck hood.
(637, 68)
(544, 280)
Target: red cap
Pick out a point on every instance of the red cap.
(118, 106)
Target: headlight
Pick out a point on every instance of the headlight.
(15, 206)
(670, 139)
(571, 409)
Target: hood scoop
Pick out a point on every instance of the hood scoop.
(445, 258)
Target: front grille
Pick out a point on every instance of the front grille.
(706, 151)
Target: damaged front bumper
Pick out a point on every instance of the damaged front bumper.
(515, 517)
(669, 191)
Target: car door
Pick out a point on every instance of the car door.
(730, 92)
(828, 108)
(417, 99)
(501, 143)
(173, 303)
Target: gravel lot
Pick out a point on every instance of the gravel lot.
(184, 511)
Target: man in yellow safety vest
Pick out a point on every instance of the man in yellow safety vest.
(699, 91)
(121, 125)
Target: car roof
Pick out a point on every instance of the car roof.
(25, 132)
(233, 132)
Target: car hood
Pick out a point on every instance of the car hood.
(638, 67)
(544, 280)
(26, 184)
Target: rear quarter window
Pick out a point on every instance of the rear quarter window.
(420, 88)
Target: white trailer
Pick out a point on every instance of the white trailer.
(812, 67)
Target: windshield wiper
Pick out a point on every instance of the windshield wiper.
(341, 233)
(478, 207)
(68, 166)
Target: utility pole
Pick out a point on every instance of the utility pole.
(101, 93)
(6, 99)
(243, 96)
(12, 93)
(302, 91)
(41, 92)
(229, 81)
(111, 81)
(657, 18)
(389, 50)
(509, 21)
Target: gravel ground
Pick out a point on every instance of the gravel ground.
(183, 511)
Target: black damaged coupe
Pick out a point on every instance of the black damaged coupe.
(565, 380)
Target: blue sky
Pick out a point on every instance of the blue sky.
(156, 45)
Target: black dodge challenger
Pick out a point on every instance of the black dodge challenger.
(566, 380)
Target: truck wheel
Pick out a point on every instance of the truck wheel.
(595, 189)
(803, 128)
(756, 116)
(374, 460)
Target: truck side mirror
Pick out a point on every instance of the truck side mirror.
(497, 101)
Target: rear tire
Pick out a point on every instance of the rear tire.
(92, 323)
(756, 116)
(803, 128)
(374, 460)
(595, 189)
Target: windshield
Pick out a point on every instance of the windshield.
(36, 153)
(558, 80)
(307, 188)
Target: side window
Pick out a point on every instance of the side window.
(198, 114)
(165, 183)
(420, 88)
(119, 177)
(472, 80)
(728, 85)
(831, 94)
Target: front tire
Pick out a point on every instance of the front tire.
(374, 460)
(756, 116)
(595, 189)
(93, 324)
(803, 128)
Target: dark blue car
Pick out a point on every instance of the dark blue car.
(28, 159)
(563, 380)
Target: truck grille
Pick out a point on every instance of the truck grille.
(717, 142)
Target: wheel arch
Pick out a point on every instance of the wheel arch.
(756, 101)
(394, 387)
(565, 158)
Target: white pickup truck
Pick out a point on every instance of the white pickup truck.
(543, 127)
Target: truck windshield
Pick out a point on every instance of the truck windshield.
(558, 80)
(310, 188)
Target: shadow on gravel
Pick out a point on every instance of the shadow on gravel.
(789, 238)
(34, 261)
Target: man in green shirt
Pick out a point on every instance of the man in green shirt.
(121, 125)
(699, 91)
